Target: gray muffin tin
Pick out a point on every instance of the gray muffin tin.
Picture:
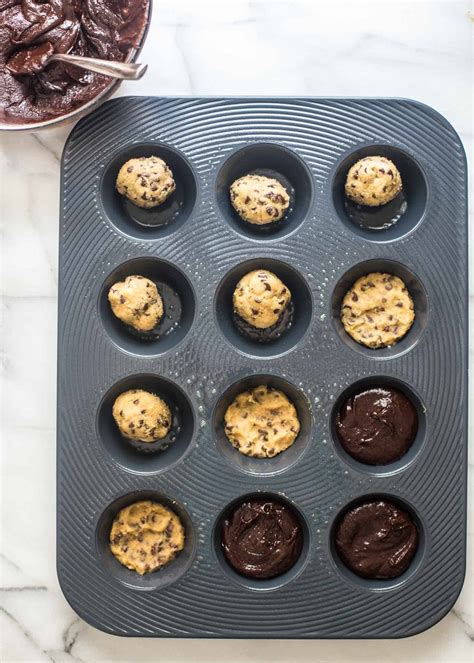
(200, 251)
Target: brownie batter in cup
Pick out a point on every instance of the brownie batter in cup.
(377, 426)
(377, 540)
(30, 31)
(262, 538)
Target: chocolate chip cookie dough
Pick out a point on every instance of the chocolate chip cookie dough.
(136, 302)
(373, 181)
(261, 422)
(258, 199)
(142, 416)
(260, 298)
(262, 538)
(146, 181)
(145, 536)
(377, 425)
(378, 310)
(377, 540)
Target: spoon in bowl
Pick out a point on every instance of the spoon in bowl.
(33, 60)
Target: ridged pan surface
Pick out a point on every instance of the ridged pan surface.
(201, 249)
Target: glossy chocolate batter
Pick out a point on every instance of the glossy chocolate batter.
(262, 538)
(377, 426)
(31, 30)
(377, 540)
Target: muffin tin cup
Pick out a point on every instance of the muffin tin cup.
(274, 161)
(301, 300)
(265, 584)
(196, 250)
(400, 464)
(263, 466)
(415, 288)
(168, 574)
(409, 207)
(378, 585)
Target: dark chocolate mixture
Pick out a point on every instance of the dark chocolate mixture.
(377, 426)
(377, 540)
(31, 90)
(267, 334)
(262, 538)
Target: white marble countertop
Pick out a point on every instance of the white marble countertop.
(375, 48)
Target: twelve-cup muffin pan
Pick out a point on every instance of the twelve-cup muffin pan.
(198, 248)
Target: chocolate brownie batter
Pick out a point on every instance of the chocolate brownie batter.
(262, 538)
(377, 426)
(32, 30)
(377, 540)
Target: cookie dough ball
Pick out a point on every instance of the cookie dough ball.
(136, 302)
(260, 298)
(142, 416)
(261, 422)
(258, 199)
(373, 181)
(146, 181)
(146, 536)
(378, 310)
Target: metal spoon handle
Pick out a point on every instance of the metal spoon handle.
(124, 70)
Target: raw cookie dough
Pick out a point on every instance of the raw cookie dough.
(378, 310)
(146, 181)
(373, 181)
(261, 422)
(260, 298)
(259, 199)
(136, 302)
(146, 536)
(142, 416)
